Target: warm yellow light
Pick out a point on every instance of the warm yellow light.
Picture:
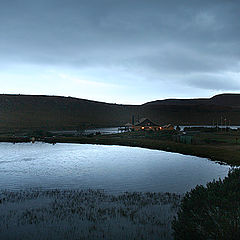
(160, 128)
(142, 127)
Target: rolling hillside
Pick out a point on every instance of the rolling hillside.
(53, 112)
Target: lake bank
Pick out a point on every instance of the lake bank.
(227, 152)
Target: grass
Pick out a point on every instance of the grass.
(86, 214)
(217, 146)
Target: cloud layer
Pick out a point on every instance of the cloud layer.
(190, 43)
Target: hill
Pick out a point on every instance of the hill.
(203, 111)
(54, 112)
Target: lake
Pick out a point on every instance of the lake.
(116, 169)
(74, 191)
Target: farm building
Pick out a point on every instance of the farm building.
(146, 124)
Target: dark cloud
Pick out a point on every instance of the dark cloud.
(170, 37)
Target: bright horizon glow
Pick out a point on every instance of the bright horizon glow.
(35, 80)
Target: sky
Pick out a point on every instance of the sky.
(120, 51)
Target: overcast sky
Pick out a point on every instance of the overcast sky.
(120, 51)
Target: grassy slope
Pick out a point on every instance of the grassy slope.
(52, 112)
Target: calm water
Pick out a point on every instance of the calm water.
(115, 169)
(73, 212)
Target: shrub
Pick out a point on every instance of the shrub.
(211, 212)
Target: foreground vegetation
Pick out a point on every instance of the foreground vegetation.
(86, 214)
(211, 212)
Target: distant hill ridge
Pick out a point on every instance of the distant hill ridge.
(56, 112)
(226, 99)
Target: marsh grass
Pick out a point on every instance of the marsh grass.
(86, 214)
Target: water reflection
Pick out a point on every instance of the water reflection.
(115, 169)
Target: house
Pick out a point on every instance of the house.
(146, 124)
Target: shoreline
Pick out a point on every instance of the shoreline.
(222, 153)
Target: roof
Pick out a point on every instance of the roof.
(145, 122)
